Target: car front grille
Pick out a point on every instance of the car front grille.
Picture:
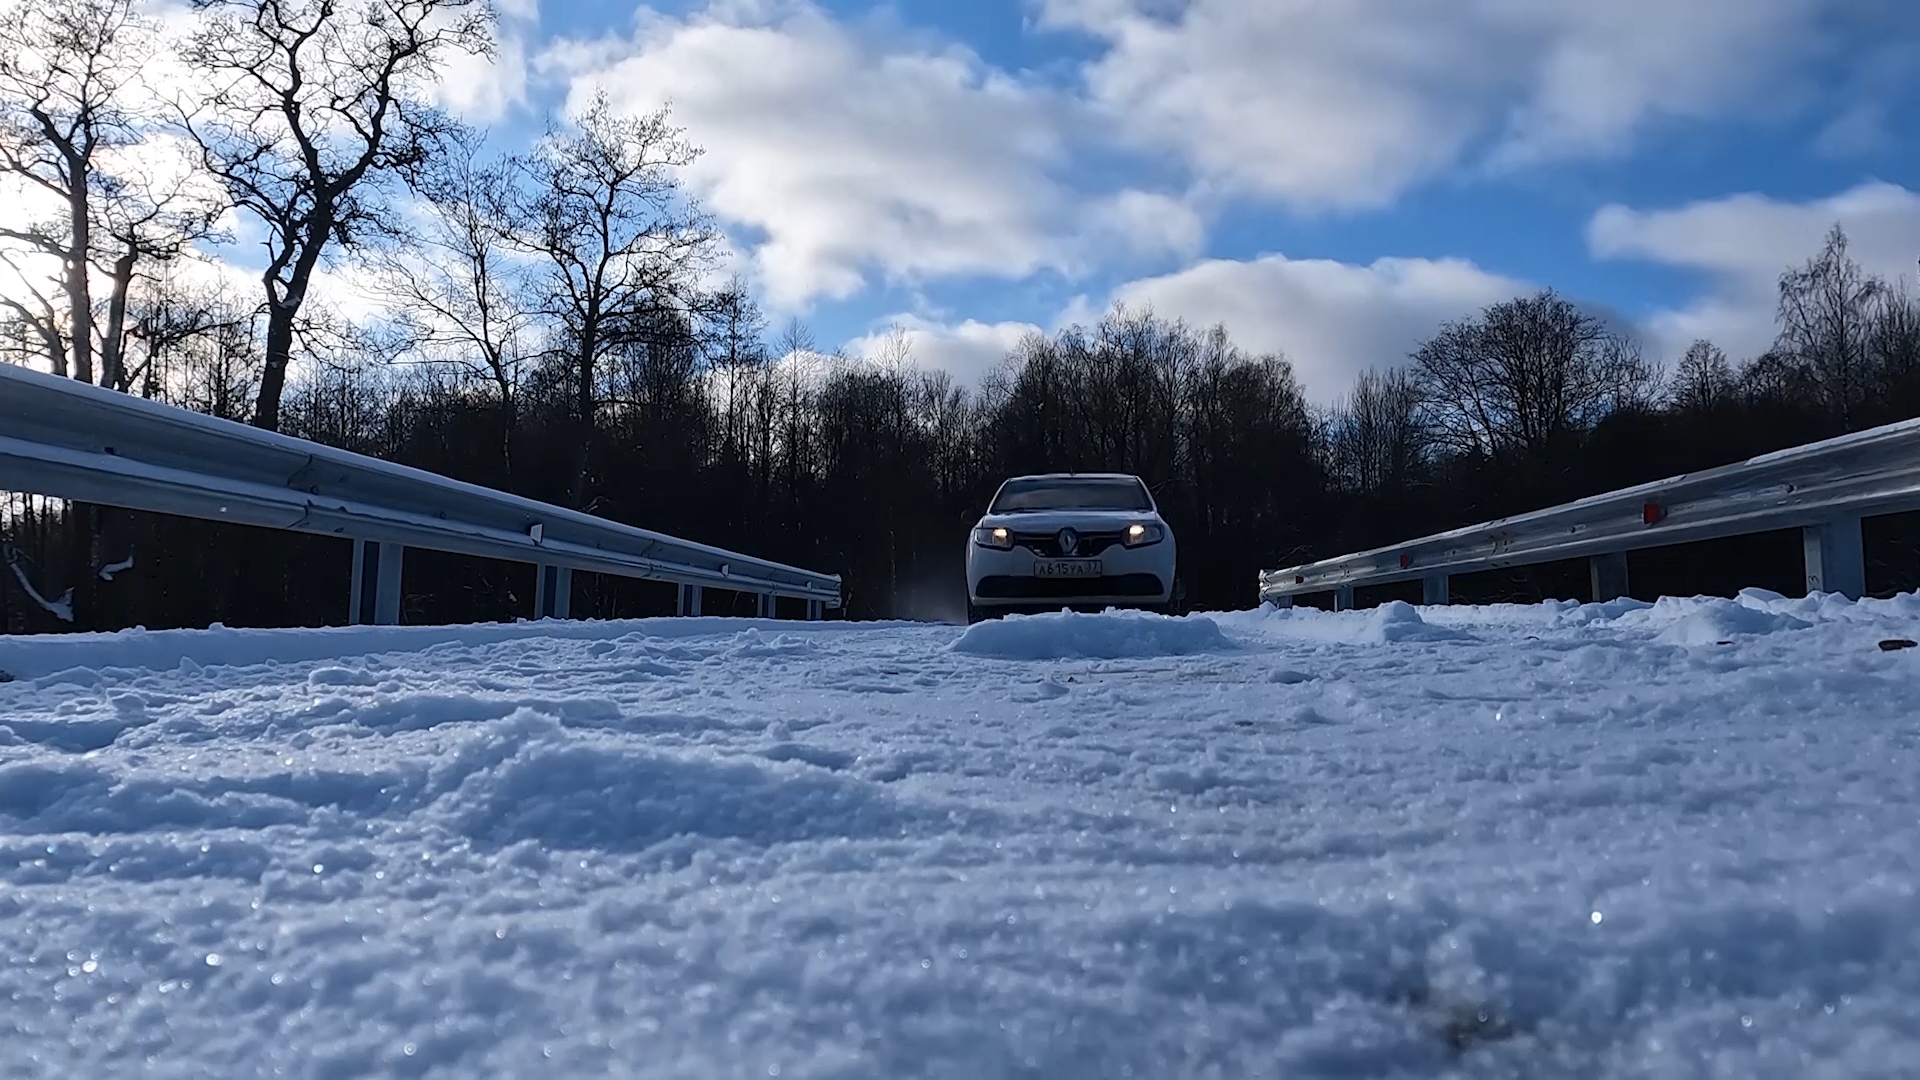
(1047, 545)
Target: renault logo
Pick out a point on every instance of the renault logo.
(1069, 541)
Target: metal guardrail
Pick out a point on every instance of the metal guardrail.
(1822, 488)
(69, 440)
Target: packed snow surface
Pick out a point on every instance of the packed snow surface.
(1620, 840)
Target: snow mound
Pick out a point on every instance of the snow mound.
(1111, 635)
(1393, 623)
(1710, 621)
(1397, 621)
(593, 796)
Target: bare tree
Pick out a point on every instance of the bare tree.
(949, 418)
(157, 208)
(1894, 347)
(618, 242)
(1703, 380)
(735, 343)
(1375, 433)
(1826, 317)
(1131, 367)
(38, 320)
(65, 70)
(893, 353)
(451, 276)
(314, 107)
(800, 363)
(18, 340)
(1775, 378)
(1525, 376)
(197, 345)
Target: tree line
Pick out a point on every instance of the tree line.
(549, 324)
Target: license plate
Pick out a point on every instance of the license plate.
(1067, 568)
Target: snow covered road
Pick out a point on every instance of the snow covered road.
(1583, 841)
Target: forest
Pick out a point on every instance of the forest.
(550, 323)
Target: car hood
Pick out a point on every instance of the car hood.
(1081, 520)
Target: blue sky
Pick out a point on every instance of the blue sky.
(1330, 178)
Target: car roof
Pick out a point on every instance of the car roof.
(1076, 476)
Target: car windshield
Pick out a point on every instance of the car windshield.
(1075, 493)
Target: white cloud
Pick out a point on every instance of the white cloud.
(1326, 105)
(846, 154)
(1608, 70)
(1742, 244)
(1332, 319)
(481, 90)
(967, 350)
(1147, 223)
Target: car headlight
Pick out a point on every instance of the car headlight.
(1141, 535)
(993, 538)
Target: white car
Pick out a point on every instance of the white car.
(1086, 541)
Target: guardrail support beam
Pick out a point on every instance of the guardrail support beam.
(814, 610)
(767, 601)
(1608, 576)
(376, 583)
(552, 592)
(1343, 598)
(1836, 559)
(1435, 591)
(689, 603)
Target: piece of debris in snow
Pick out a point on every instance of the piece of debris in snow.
(61, 609)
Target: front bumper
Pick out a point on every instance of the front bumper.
(1128, 576)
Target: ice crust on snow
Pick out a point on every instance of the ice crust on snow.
(1556, 840)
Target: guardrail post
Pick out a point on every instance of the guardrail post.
(689, 600)
(814, 610)
(552, 592)
(1280, 602)
(376, 583)
(1435, 591)
(1836, 560)
(1343, 598)
(767, 601)
(1608, 576)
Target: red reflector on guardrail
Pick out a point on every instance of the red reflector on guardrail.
(1652, 512)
